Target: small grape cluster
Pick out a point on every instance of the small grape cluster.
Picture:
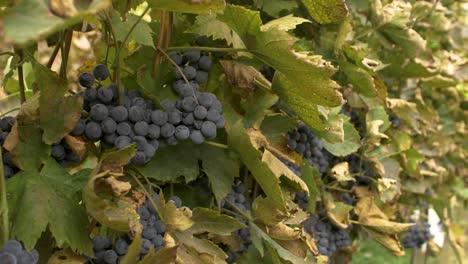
(328, 237)
(13, 252)
(237, 197)
(200, 114)
(9, 168)
(417, 236)
(107, 252)
(361, 168)
(308, 145)
(63, 154)
(154, 229)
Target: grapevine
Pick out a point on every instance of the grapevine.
(224, 131)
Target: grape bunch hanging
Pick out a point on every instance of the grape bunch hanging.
(13, 252)
(417, 236)
(195, 115)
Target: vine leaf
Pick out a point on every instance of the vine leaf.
(377, 224)
(285, 23)
(29, 20)
(302, 81)
(326, 11)
(266, 212)
(281, 170)
(188, 6)
(119, 214)
(337, 212)
(242, 75)
(207, 220)
(142, 33)
(240, 141)
(133, 252)
(58, 113)
(351, 138)
(221, 166)
(202, 246)
(46, 197)
(163, 255)
(209, 25)
(261, 237)
(174, 218)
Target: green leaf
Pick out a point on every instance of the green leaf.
(142, 33)
(276, 126)
(200, 245)
(326, 11)
(188, 6)
(58, 113)
(29, 20)
(220, 165)
(29, 150)
(45, 198)
(285, 23)
(207, 220)
(351, 142)
(163, 168)
(265, 211)
(311, 176)
(174, 218)
(361, 80)
(274, 7)
(133, 253)
(239, 140)
(208, 25)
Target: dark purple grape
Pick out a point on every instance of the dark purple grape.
(93, 131)
(86, 79)
(197, 137)
(101, 72)
(99, 112)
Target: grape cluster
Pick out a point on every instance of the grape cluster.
(9, 168)
(195, 116)
(107, 252)
(417, 236)
(13, 252)
(328, 237)
(199, 114)
(63, 154)
(361, 168)
(237, 197)
(308, 145)
(154, 229)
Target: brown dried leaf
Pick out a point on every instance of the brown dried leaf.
(174, 218)
(310, 241)
(138, 197)
(65, 256)
(243, 76)
(265, 211)
(77, 145)
(63, 8)
(297, 247)
(113, 186)
(281, 231)
(115, 160)
(280, 169)
(341, 172)
(372, 217)
(259, 141)
(337, 212)
(233, 242)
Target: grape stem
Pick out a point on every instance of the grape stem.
(157, 58)
(9, 53)
(242, 213)
(53, 55)
(147, 194)
(65, 52)
(20, 76)
(4, 205)
(9, 111)
(205, 49)
(218, 145)
(179, 70)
